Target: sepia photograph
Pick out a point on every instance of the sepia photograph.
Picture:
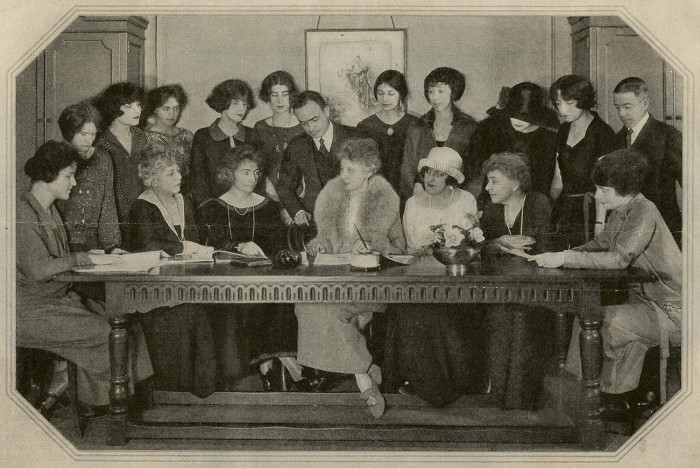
(306, 234)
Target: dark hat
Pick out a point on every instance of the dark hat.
(525, 101)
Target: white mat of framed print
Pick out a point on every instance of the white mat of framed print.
(342, 65)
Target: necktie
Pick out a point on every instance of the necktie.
(629, 137)
(324, 164)
(322, 147)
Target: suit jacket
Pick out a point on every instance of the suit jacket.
(303, 164)
(662, 146)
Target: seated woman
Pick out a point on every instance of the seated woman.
(243, 221)
(49, 315)
(179, 338)
(330, 336)
(434, 350)
(635, 234)
(232, 99)
(519, 346)
(164, 107)
(90, 213)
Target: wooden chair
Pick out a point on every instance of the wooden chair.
(588, 200)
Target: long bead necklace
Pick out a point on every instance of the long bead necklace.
(430, 203)
(522, 207)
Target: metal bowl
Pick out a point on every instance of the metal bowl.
(456, 259)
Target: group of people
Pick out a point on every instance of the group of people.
(147, 184)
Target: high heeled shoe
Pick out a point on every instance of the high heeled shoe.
(274, 379)
(375, 373)
(374, 399)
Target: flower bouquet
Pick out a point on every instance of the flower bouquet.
(457, 245)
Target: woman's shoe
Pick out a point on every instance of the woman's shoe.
(407, 389)
(272, 379)
(86, 411)
(375, 372)
(375, 400)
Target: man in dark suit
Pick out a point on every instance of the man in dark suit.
(660, 143)
(310, 160)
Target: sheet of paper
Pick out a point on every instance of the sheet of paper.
(332, 259)
(128, 263)
(517, 252)
(404, 259)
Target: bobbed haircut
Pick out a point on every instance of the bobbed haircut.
(221, 96)
(160, 95)
(303, 98)
(512, 165)
(73, 118)
(449, 181)
(396, 80)
(232, 160)
(451, 77)
(634, 85)
(279, 77)
(363, 151)
(50, 159)
(154, 157)
(115, 96)
(576, 88)
(624, 170)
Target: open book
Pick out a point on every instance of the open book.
(141, 262)
(239, 259)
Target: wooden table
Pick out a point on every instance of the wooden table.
(503, 280)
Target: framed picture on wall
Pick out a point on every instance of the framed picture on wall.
(342, 65)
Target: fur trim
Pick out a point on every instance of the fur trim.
(376, 219)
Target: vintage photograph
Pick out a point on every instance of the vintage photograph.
(278, 230)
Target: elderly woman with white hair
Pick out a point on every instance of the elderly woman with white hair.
(179, 338)
(435, 354)
(330, 336)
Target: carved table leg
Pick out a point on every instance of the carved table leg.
(593, 436)
(563, 335)
(118, 357)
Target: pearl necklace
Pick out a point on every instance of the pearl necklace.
(430, 201)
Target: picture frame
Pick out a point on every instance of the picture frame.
(343, 64)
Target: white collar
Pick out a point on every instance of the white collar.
(327, 138)
(638, 128)
(150, 196)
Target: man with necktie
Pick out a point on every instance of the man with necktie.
(310, 159)
(660, 143)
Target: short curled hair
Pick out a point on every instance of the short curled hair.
(449, 181)
(512, 165)
(576, 88)
(303, 98)
(50, 159)
(160, 95)
(362, 151)
(108, 103)
(221, 96)
(396, 80)
(279, 77)
(74, 117)
(449, 76)
(634, 85)
(232, 160)
(154, 157)
(624, 170)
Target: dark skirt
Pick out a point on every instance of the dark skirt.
(568, 222)
(439, 349)
(521, 349)
(180, 344)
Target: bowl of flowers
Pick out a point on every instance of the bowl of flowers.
(457, 245)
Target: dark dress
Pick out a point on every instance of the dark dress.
(496, 134)
(576, 165)
(266, 331)
(391, 140)
(520, 347)
(273, 142)
(209, 145)
(179, 338)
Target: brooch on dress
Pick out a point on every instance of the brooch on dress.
(390, 131)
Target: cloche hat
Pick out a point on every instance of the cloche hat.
(446, 160)
(525, 101)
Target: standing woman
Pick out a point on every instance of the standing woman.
(243, 221)
(582, 139)
(90, 213)
(122, 141)
(276, 131)
(443, 125)
(233, 99)
(432, 350)
(164, 107)
(518, 336)
(330, 336)
(179, 338)
(389, 125)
